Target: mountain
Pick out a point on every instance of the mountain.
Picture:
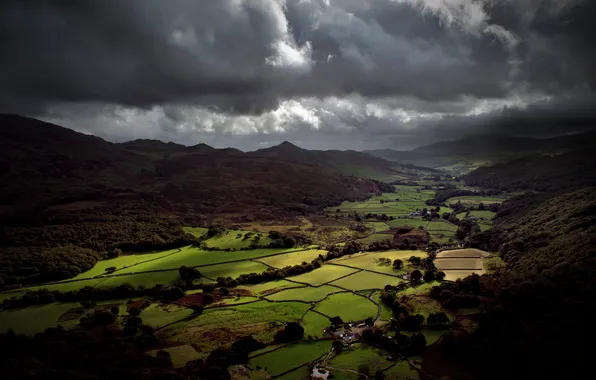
(59, 186)
(348, 162)
(472, 152)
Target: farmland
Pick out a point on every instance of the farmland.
(261, 309)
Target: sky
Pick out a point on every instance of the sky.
(324, 74)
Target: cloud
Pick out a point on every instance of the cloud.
(352, 73)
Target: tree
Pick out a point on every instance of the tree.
(336, 321)
(110, 269)
(379, 375)
(274, 235)
(413, 322)
(442, 318)
(294, 331)
(416, 275)
(429, 276)
(440, 276)
(414, 260)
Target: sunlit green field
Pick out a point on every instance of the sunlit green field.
(324, 274)
(366, 280)
(348, 306)
(306, 293)
(279, 361)
(293, 258)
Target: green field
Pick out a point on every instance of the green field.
(180, 354)
(147, 280)
(314, 324)
(289, 357)
(157, 315)
(425, 305)
(34, 319)
(366, 280)
(219, 327)
(422, 289)
(378, 226)
(293, 258)
(269, 287)
(386, 313)
(232, 269)
(348, 306)
(194, 256)
(475, 200)
(234, 239)
(375, 238)
(485, 226)
(439, 225)
(369, 260)
(322, 275)
(401, 371)
(195, 231)
(374, 358)
(306, 293)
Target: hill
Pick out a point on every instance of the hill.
(64, 193)
(347, 162)
(474, 151)
(544, 173)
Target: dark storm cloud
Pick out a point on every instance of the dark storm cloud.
(186, 69)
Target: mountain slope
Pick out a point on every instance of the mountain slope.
(345, 162)
(65, 193)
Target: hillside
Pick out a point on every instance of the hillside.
(64, 193)
(345, 162)
(545, 173)
(480, 150)
(543, 297)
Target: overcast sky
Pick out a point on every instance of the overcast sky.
(324, 74)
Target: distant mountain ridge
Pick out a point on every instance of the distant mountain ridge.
(486, 149)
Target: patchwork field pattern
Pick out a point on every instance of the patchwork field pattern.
(286, 358)
(348, 306)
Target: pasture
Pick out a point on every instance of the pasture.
(348, 306)
(33, 319)
(292, 356)
(195, 231)
(370, 260)
(322, 275)
(218, 327)
(268, 287)
(307, 293)
(314, 324)
(237, 239)
(460, 263)
(292, 258)
(373, 357)
(366, 280)
(474, 200)
(147, 280)
(180, 354)
(232, 269)
(158, 315)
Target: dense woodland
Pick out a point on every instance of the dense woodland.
(539, 310)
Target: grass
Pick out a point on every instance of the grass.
(439, 225)
(314, 324)
(126, 261)
(235, 239)
(279, 361)
(233, 269)
(366, 280)
(195, 231)
(378, 226)
(386, 313)
(485, 226)
(157, 315)
(485, 214)
(348, 306)
(220, 327)
(298, 374)
(425, 305)
(324, 274)
(452, 275)
(236, 300)
(369, 260)
(374, 358)
(292, 258)
(422, 289)
(475, 200)
(180, 354)
(306, 293)
(269, 287)
(33, 319)
(402, 371)
(195, 257)
(376, 237)
(147, 280)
